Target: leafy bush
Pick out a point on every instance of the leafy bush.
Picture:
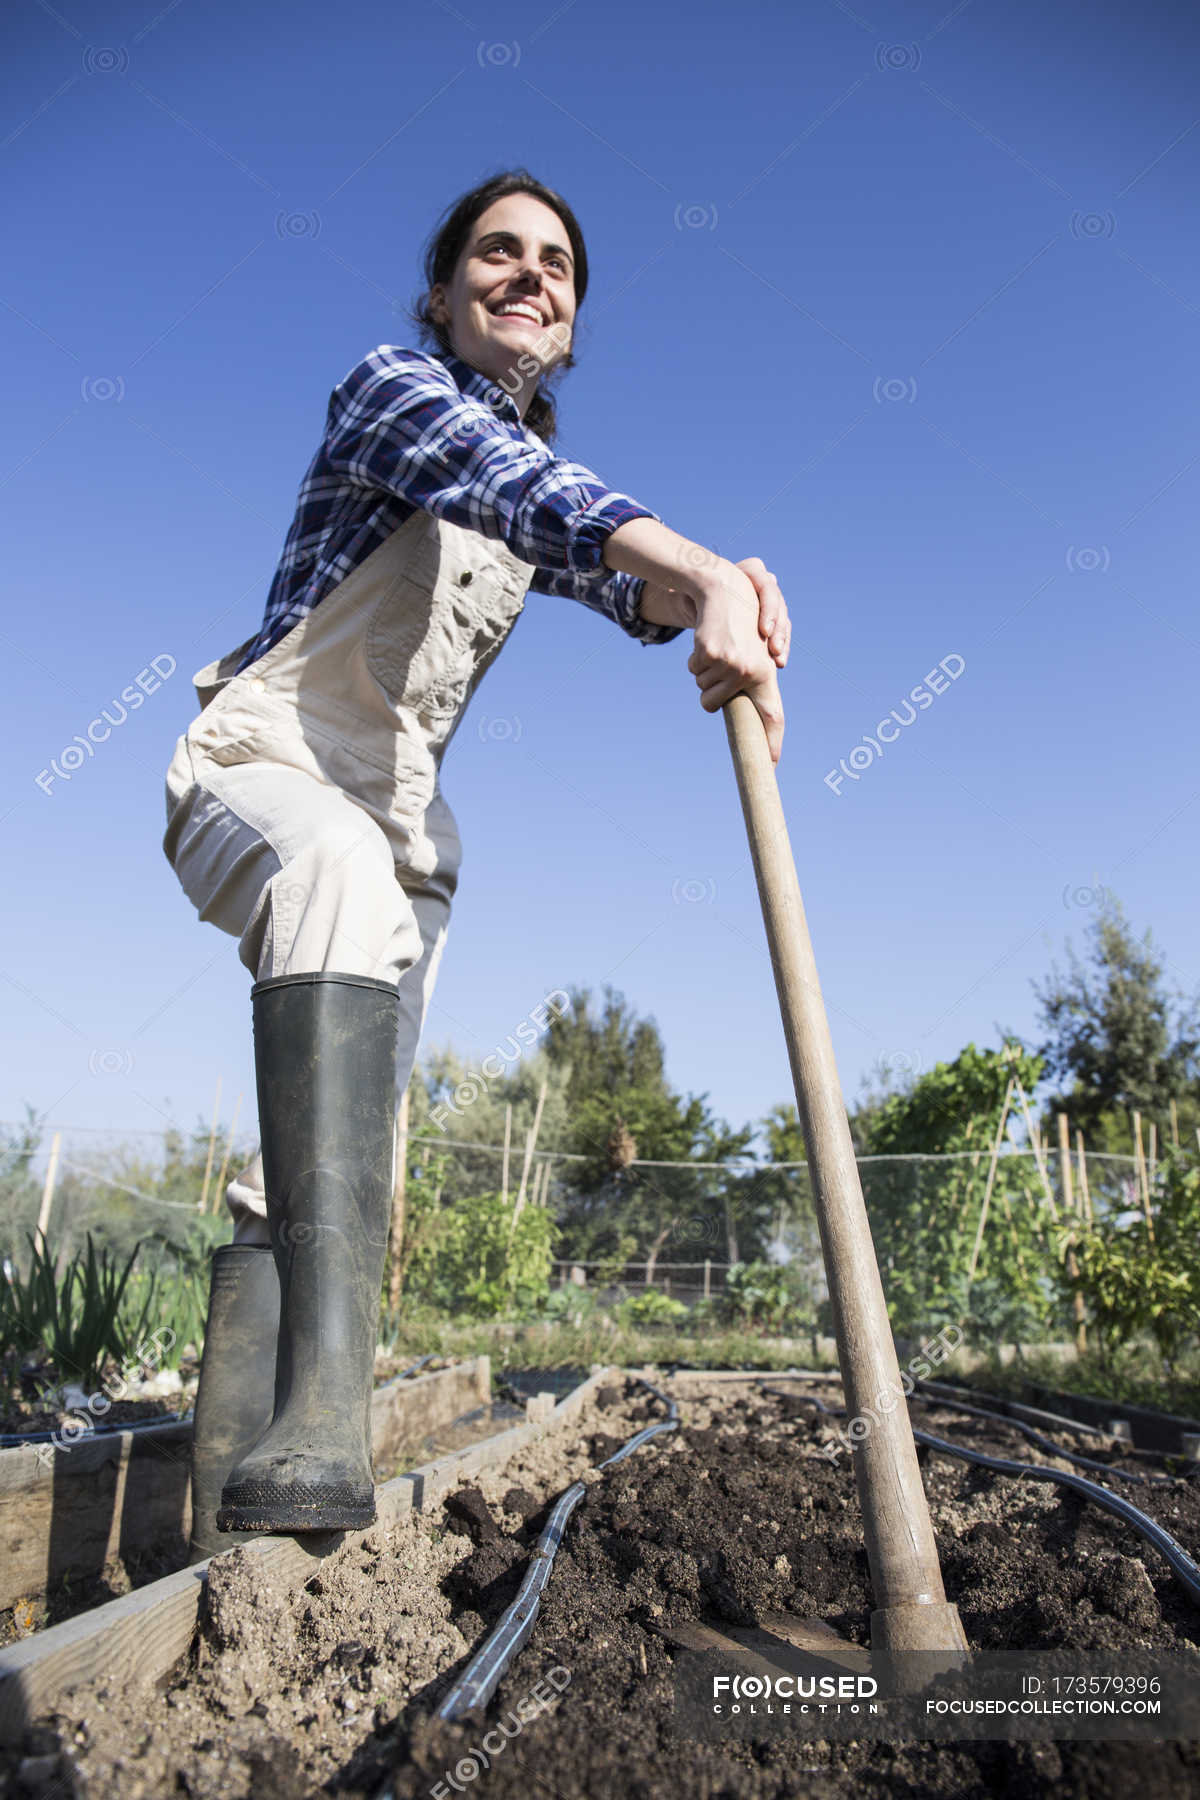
(651, 1308)
(476, 1260)
(772, 1296)
(1132, 1283)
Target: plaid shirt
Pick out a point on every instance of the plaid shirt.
(406, 429)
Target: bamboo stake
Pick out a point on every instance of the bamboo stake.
(228, 1152)
(530, 1144)
(1143, 1183)
(212, 1138)
(399, 1191)
(911, 1611)
(1035, 1138)
(993, 1164)
(1174, 1122)
(1064, 1165)
(1084, 1190)
(1153, 1156)
(507, 1142)
(43, 1218)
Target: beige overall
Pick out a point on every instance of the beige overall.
(304, 812)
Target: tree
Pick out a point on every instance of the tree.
(1117, 1039)
(616, 1090)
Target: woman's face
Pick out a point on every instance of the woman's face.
(510, 305)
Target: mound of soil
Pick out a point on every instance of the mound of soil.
(733, 1516)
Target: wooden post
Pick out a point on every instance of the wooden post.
(228, 1151)
(1084, 1191)
(707, 1277)
(530, 1145)
(507, 1143)
(1064, 1161)
(399, 1190)
(911, 1610)
(212, 1138)
(991, 1177)
(1140, 1164)
(43, 1218)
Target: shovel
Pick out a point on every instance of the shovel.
(911, 1612)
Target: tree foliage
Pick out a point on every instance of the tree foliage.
(1117, 1039)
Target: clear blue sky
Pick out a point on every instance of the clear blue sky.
(902, 299)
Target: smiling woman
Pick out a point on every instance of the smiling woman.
(305, 815)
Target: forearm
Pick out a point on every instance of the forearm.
(671, 566)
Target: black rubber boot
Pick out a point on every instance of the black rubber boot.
(236, 1394)
(325, 1054)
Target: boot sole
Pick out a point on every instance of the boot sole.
(267, 1506)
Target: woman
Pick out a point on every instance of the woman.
(305, 814)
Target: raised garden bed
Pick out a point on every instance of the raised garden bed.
(70, 1510)
(288, 1668)
(1169, 1434)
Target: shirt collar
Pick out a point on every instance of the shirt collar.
(480, 387)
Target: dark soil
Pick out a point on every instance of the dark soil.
(731, 1517)
(19, 1416)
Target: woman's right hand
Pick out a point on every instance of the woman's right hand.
(730, 656)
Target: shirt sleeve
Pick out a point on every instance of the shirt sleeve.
(611, 592)
(400, 422)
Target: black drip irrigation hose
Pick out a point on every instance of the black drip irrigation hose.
(1048, 1444)
(482, 1675)
(1026, 1431)
(1167, 1546)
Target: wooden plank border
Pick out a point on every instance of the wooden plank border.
(138, 1637)
(70, 1509)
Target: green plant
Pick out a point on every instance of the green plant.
(76, 1318)
(651, 1308)
(770, 1296)
(1135, 1282)
(483, 1262)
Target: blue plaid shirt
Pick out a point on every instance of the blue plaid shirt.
(408, 429)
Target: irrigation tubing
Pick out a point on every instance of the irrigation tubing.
(1048, 1444)
(1148, 1528)
(482, 1675)
(1026, 1431)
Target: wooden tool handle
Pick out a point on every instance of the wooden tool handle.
(912, 1612)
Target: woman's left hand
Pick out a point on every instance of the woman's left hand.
(774, 625)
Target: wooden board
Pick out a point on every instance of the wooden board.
(717, 1377)
(137, 1638)
(784, 1643)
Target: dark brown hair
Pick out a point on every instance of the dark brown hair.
(446, 244)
